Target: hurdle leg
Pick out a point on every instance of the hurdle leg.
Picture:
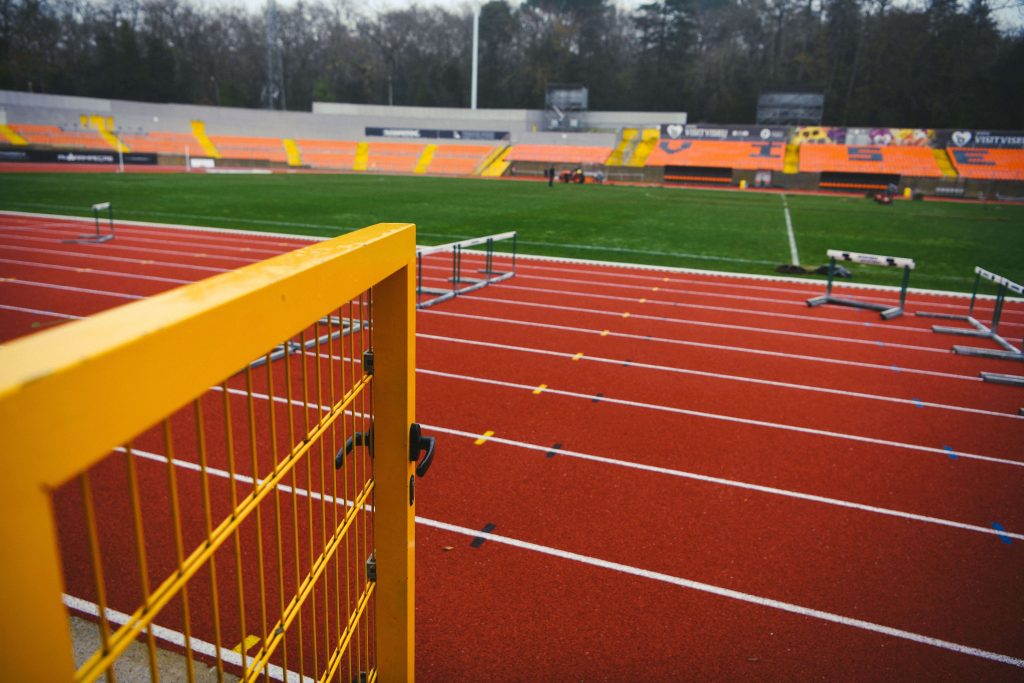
(819, 300)
(898, 311)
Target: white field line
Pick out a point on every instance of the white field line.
(701, 323)
(96, 271)
(718, 375)
(690, 584)
(793, 255)
(728, 418)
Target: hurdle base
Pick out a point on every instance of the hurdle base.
(1000, 378)
(887, 312)
(943, 316)
(988, 353)
(90, 239)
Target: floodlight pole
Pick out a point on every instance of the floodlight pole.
(476, 50)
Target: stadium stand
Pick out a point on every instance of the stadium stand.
(394, 157)
(496, 163)
(988, 164)
(53, 136)
(245, 147)
(643, 149)
(559, 154)
(943, 162)
(292, 152)
(626, 142)
(752, 156)
(337, 154)
(199, 133)
(873, 159)
(12, 137)
(161, 143)
(459, 159)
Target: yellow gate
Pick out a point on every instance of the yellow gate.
(219, 478)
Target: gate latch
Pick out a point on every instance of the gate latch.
(417, 443)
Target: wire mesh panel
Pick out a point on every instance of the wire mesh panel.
(237, 530)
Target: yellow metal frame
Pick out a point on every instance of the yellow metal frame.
(62, 410)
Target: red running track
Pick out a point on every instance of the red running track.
(721, 484)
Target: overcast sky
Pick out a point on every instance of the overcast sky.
(1010, 12)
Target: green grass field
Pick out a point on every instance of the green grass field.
(709, 229)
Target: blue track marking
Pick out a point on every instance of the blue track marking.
(895, 368)
(950, 452)
(999, 527)
(917, 403)
(479, 540)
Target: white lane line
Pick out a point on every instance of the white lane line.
(702, 323)
(717, 375)
(728, 418)
(69, 288)
(794, 256)
(96, 271)
(722, 309)
(145, 238)
(682, 474)
(95, 256)
(147, 250)
(36, 311)
(770, 490)
(177, 639)
(719, 279)
(728, 593)
(703, 345)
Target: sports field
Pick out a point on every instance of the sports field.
(708, 229)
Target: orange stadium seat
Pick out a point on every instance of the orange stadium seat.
(328, 153)
(398, 157)
(559, 154)
(56, 137)
(161, 143)
(988, 164)
(242, 147)
(877, 159)
(458, 159)
(747, 155)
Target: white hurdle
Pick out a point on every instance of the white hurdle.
(97, 237)
(887, 312)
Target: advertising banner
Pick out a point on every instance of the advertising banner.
(680, 131)
(49, 156)
(991, 139)
(905, 137)
(433, 134)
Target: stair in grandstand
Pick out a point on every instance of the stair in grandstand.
(104, 125)
(424, 163)
(362, 157)
(199, 133)
(943, 162)
(11, 136)
(627, 144)
(648, 140)
(791, 165)
(495, 164)
(292, 150)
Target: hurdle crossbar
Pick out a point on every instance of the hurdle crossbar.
(459, 283)
(97, 237)
(887, 312)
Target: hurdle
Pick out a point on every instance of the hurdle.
(887, 312)
(460, 284)
(980, 330)
(347, 326)
(97, 237)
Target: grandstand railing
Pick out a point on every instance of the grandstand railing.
(144, 457)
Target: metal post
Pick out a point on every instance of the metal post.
(831, 274)
(903, 287)
(997, 312)
(476, 49)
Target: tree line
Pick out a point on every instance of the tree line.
(937, 64)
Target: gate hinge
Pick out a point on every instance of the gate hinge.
(368, 361)
(371, 567)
